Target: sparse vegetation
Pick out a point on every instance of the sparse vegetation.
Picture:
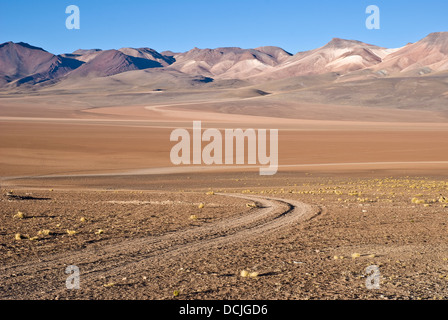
(390, 201)
(244, 273)
(44, 232)
(253, 275)
(252, 205)
(109, 284)
(19, 215)
(247, 274)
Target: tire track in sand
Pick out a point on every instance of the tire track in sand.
(45, 277)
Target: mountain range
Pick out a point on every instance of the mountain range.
(25, 66)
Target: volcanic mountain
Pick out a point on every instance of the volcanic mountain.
(338, 61)
(229, 63)
(425, 56)
(340, 56)
(83, 55)
(21, 63)
(111, 62)
(149, 54)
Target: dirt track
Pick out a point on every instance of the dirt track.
(35, 279)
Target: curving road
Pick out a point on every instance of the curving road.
(44, 278)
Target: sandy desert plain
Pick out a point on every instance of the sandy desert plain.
(86, 180)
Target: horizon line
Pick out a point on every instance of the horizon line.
(225, 47)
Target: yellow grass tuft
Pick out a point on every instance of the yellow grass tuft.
(418, 201)
(210, 193)
(99, 231)
(356, 255)
(253, 275)
(194, 217)
(20, 215)
(71, 232)
(244, 274)
(18, 236)
(108, 285)
(201, 206)
(44, 232)
(176, 293)
(83, 219)
(443, 199)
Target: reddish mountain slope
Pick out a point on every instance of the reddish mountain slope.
(427, 55)
(111, 62)
(21, 63)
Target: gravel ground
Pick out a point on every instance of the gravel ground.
(397, 224)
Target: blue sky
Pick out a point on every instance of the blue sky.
(180, 25)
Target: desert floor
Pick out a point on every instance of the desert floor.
(356, 187)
